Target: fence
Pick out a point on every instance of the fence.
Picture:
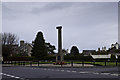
(65, 63)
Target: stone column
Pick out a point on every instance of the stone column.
(59, 57)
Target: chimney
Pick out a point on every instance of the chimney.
(105, 49)
(112, 46)
(116, 45)
(98, 49)
(33, 42)
(21, 42)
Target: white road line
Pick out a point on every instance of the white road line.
(5, 74)
(114, 74)
(11, 76)
(17, 77)
(83, 72)
(44, 69)
(73, 71)
(68, 71)
(58, 70)
(96, 73)
(105, 73)
(8, 75)
(52, 69)
(49, 69)
(62, 70)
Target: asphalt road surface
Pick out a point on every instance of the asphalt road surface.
(27, 73)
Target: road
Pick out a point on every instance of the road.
(27, 73)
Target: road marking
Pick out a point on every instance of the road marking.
(105, 73)
(62, 70)
(96, 73)
(68, 71)
(49, 69)
(58, 70)
(17, 77)
(74, 71)
(44, 69)
(11, 76)
(83, 72)
(114, 74)
(52, 69)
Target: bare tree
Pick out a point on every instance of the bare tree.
(9, 40)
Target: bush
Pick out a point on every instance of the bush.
(50, 57)
(78, 57)
(18, 58)
(113, 57)
(118, 58)
(26, 58)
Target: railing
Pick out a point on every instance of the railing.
(71, 63)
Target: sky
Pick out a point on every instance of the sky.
(87, 25)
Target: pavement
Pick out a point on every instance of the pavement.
(34, 72)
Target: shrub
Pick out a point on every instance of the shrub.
(18, 58)
(78, 57)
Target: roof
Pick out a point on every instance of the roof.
(89, 50)
(25, 45)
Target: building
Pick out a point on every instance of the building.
(25, 48)
(88, 52)
(116, 45)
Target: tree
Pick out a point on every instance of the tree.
(39, 49)
(8, 42)
(74, 50)
(50, 48)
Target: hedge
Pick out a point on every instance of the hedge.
(78, 57)
(26, 58)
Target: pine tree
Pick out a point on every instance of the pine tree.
(39, 49)
(74, 50)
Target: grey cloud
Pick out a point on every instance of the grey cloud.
(87, 25)
(51, 7)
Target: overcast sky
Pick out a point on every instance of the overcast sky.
(88, 25)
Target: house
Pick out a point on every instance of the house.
(100, 56)
(116, 45)
(25, 48)
(88, 52)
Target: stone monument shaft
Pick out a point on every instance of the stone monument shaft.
(59, 42)
(59, 39)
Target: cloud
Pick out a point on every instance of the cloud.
(85, 24)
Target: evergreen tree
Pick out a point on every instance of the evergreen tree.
(74, 50)
(39, 48)
(50, 48)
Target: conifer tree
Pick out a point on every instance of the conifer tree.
(74, 50)
(39, 48)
